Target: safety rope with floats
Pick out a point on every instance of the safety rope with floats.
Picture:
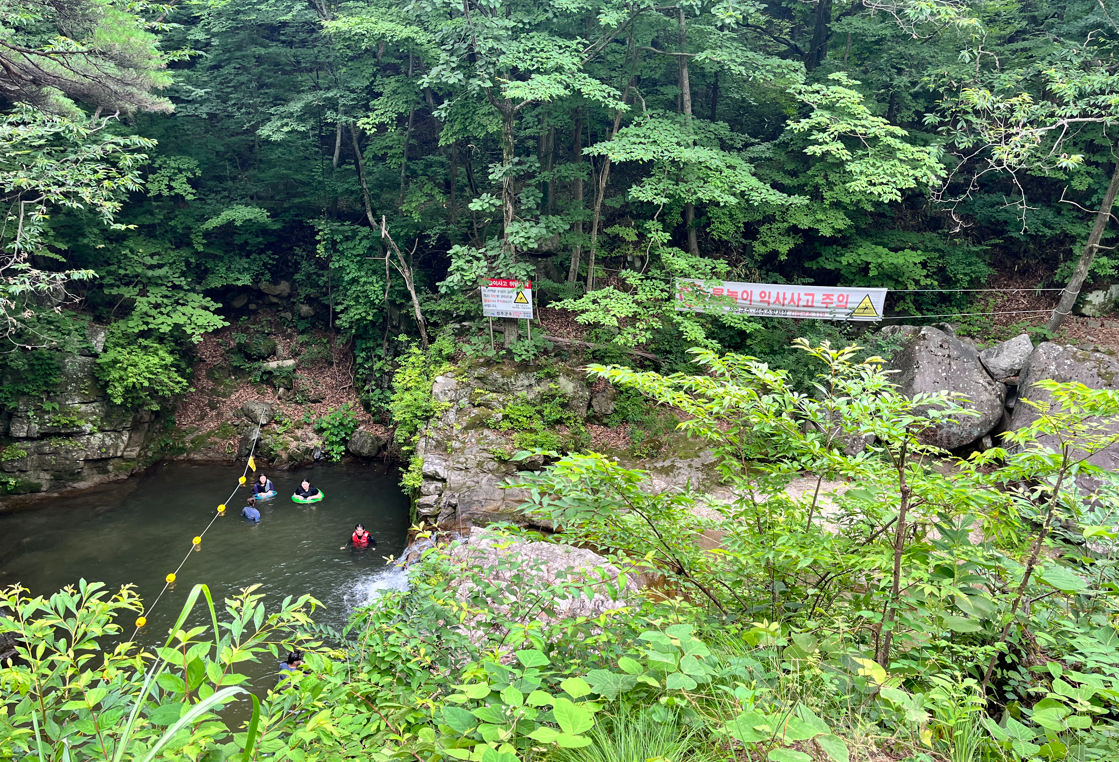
(196, 543)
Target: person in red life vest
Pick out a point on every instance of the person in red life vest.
(361, 538)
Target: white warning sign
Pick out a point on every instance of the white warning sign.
(507, 299)
(772, 300)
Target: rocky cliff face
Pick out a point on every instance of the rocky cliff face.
(74, 437)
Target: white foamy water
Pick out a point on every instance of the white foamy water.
(368, 588)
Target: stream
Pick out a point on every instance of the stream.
(138, 530)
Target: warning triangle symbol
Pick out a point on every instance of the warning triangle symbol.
(865, 308)
(520, 298)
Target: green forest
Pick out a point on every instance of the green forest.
(194, 175)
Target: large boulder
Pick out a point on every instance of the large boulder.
(365, 444)
(1064, 364)
(257, 411)
(1007, 359)
(931, 361)
(1098, 302)
(525, 568)
(281, 289)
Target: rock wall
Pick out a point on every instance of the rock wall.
(465, 461)
(74, 437)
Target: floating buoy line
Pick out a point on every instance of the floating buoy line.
(196, 543)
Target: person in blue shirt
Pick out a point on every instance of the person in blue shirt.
(250, 512)
(291, 664)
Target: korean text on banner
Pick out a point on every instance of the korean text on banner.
(771, 300)
(507, 299)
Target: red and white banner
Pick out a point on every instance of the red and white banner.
(772, 300)
(507, 299)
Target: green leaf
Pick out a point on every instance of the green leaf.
(458, 719)
(568, 741)
(474, 690)
(513, 697)
(166, 714)
(1063, 578)
(609, 684)
(788, 755)
(576, 687)
(630, 666)
(835, 748)
(572, 719)
(544, 734)
(539, 698)
(678, 681)
(532, 658)
(750, 727)
(960, 624)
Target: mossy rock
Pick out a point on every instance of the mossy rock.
(258, 347)
(23, 487)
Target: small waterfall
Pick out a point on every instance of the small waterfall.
(366, 590)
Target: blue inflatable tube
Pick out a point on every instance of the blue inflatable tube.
(266, 495)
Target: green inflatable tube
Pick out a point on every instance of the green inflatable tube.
(313, 499)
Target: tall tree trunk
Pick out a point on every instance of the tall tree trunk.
(686, 109)
(402, 267)
(407, 139)
(600, 194)
(715, 99)
(454, 179)
(577, 158)
(1072, 290)
(818, 48)
(508, 154)
(549, 164)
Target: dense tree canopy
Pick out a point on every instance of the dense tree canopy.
(600, 147)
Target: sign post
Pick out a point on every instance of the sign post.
(772, 300)
(505, 298)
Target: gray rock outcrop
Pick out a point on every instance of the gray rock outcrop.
(75, 436)
(1098, 302)
(1008, 358)
(365, 444)
(544, 564)
(280, 290)
(465, 462)
(257, 411)
(931, 361)
(1063, 364)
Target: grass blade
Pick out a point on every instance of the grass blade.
(195, 712)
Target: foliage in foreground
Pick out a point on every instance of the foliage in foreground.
(937, 614)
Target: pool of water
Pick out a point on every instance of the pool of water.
(139, 530)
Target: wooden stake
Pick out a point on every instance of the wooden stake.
(492, 348)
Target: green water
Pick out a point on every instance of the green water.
(139, 530)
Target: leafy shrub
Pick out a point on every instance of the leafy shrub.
(139, 372)
(411, 405)
(33, 373)
(12, 452)
(337, 427)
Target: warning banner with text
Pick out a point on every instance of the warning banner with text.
(771, 300)
(507, 299)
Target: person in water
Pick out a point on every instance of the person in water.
(362, 538)
(291, 664)
(250, 512)
(262, 485)
(306, 490)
